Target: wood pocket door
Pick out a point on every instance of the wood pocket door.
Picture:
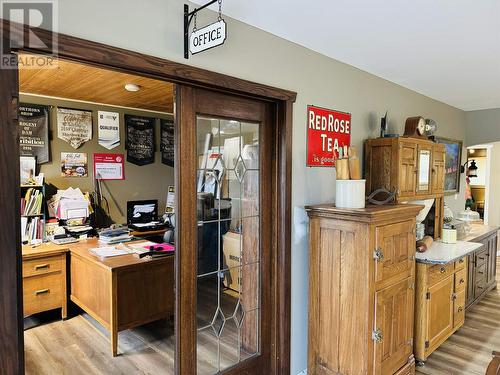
(395, 250)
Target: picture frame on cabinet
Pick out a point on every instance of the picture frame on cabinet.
(453, 161)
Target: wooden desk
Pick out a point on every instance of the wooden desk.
(44, 279)
(121, 292)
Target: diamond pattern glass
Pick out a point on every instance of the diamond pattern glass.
(228, 288)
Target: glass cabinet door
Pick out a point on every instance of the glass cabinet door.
(424, 170)
(228, 255)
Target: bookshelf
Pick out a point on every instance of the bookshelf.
(33, 213)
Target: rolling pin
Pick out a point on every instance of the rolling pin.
(424, 244)
(354, 166)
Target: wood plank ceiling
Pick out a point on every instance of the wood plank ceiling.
(71, 80)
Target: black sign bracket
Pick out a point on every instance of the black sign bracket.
(188, 17)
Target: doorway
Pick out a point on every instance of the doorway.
(269, 279)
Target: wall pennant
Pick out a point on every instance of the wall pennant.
(167, 142)
(74, 126)
(34, 131)
(140, 141)
(108, 128)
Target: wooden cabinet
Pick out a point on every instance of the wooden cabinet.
(412, 167)
(440, 304)
(482, 269)
(44, 283)
(438, 169)
(361, 290)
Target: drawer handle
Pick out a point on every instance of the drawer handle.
(480, 272)
(461, 281)
(39, 267)
(442, 270)
(460, 309)
(481, 258)
(479, 287)
(42, 291)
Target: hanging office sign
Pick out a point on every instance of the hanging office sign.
(208, 37)
(74, 126)
(140, 141)
(109, 166)
(34, 131)
(327, 131)
(167, 142)
(108, 127)
(74, 164)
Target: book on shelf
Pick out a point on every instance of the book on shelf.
(31, 203)
(32, 229)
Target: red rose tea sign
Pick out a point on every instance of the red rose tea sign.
(327, 132)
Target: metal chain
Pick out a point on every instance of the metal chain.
(195, 27)
(220, 10)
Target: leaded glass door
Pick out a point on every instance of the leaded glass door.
(232, 251)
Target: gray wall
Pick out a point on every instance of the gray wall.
(482, 126)
(141, 182)
(155, 27)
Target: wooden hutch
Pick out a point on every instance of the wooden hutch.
(414, 168)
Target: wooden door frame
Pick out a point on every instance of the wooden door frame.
(105, 56)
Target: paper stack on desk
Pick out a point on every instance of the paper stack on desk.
(69, 204)
(107, 252)
(112, 236)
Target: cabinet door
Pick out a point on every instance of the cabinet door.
(393, 335)
(440, 311)
(438, 168)
(395, 250)
(424, 166)
(407, 169)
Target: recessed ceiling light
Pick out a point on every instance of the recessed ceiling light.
(132, 87)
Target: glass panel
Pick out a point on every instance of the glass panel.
(208, 247)
(424, 168)
(228, 286)
(230, 291)
(207, 352)
(249, 334)
(208, 288)
(229, 345)
(250, 240)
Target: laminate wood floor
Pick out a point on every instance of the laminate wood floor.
(468, 351)
(80, 345)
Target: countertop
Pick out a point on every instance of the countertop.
(443, 253)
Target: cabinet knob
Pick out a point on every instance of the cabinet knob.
(462, 281)
(442, 270)
(453, 296)
(460, 309)
(378, 255)
(377, 336)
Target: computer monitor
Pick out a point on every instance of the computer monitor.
(144, 211)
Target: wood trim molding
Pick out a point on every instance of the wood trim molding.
(71, 48)
(11, 296)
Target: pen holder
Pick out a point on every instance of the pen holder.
(350, 193)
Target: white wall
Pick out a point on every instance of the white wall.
(155, 27)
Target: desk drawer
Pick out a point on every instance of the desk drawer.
(42, 266)
(460, 280)
(42, 293)
(440, 272)
(460, 264)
